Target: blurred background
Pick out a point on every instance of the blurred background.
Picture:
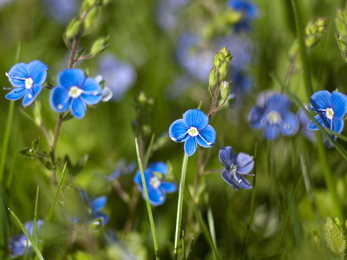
(163, 50)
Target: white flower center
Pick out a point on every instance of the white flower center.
(233, 169)
(273, 117)
(330, 113)
(154, 182)
(28, 83)
(75, 92)
(193, 131)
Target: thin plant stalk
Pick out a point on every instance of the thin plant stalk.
(35, 236)
(13, 161)
(149, 209)
(180, 205)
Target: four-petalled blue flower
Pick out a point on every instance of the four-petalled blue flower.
(74, 91)
(193, 128)
(331, 109)
(274, 117)
(236, 165)
(94, 206)
(157, 186)
(27, 80)
(248, 10)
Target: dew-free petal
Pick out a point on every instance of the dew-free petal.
(338, 125)
(31, 95)
(270, 132)
(289, 125)
(278, 102)
(71, 77)
(102, 216)
(206, 137)
(168, 187)
(98, 203)
(17, 74)
(320, 99)
(78, 108)
(16, 93)
(225, 156)
(242, 182)
(255, 117)
(158, 167)
(244, 163)
(322, 120)
(156, 196)
(228, 178)
(339, 104)
(190, 146)
(37, 70)
(195, 118)
(91, 92)
(59, 99)
(178, 131)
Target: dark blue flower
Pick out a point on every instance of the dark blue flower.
(274, 117)
(193, 128)
(74, 91)
(331, 109)
(157, 186)
(27, 80)
(19, 243)
(94, 206)
(236, 165)
(248, 10)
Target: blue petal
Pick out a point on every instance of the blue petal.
(190, 146)
(78, 108)
(16, 93)
(98, 203)
(270, 133)
(320, 100)
(137, 179)
(249, 9)
(19, 71)
(18, 245)
(339, 104)
(195, 118)
(85, 198)
(242, 182)
(37, 71)
(322, 120)
(255, 117)
(91, 92)
(59, 99)
(168, 186)
(338, 125)
(156, 196)
(289, 124)
(103, 216)
(71, 77)
(228, 178)
(31, 95)
(225, 156)
(178, 131)
(278, 102)
(244, 163)
(29, 225)
(158, 167)
(206, 137)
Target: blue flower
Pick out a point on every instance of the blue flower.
(193, 127)
(331, 109)
(157, 186)
(236, 165)
(248, 10)
(18, 243)
(167, 13)
(94, 206)
(274, 117)
(74, 91)
(27, 80)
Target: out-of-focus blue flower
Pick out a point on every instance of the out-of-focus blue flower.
(94, 206)
(106, 91)
(178, 87)
(241, 84)
(119, 76)
(4, 2)
(167, 12)
(249, 11)
(18, 243)
(74, 91)
(310, 135)
(274, 117)
(121, 169)
(27, 80)
(62, 10)
(191, 129)
(236, 165)
(331, 109)
(157, 186)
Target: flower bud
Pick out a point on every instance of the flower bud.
(213, 78)
(216, 61)
(223, 70)
(73, 28)
(225, 90)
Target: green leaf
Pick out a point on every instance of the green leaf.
(35, 144)
(80, 53)
(335, 238)
(28, 152)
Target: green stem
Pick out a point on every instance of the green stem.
(13, 161)
(149, 209)
(180, 204)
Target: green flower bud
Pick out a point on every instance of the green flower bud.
(73, 28)
(341, 27)
(100, 45)
(216, 61)
(223, 70)
(310, 41)
(221, 57)
(225, 89)
(91, 18)
(213, 78)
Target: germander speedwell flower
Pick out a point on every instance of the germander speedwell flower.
(331, 109)
(236, 165)
(74, 91)
(27, 80)
(274, 117)
(193, 128)
(157, 186)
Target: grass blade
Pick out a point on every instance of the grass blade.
(203, 226)
(180, 204)
(149, 209)
(4, 224)
(33, 244)
(148, 152)
(13, 162)
(183, 246)
(35, 236)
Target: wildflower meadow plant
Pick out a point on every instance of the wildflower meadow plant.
(157, 182)
(193, 129)
(274, 117)
(248, 10)
(27, 80)
(331, 109)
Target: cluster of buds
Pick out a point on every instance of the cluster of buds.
(314, 31)
(341, 35)
(219, 73)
